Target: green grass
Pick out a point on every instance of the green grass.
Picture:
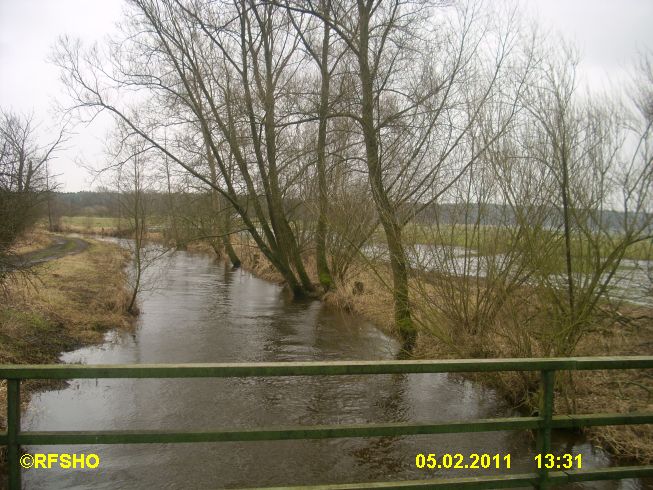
(489, 240)
(24, 334)
(92, 221)
(493, 240)
(99, 222)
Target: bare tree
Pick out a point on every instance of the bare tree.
(220, 73)
(24, 180)
(133, 171)
(415, 112)
(600, 199)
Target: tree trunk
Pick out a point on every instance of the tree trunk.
(284, 234)
(172, 211)
(567, 231)
(139, 231)
(226, 238)
(323, 272)
(387, 215)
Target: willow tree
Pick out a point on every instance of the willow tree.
(424, 72)
(599, 194)
(320, 50)
(219, 74)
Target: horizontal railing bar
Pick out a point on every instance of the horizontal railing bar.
(328, 431)
(217, 370)
(469, 482)
(283, 433)
(214, 370)
(615, 473)
(485, 482)
(600, 419)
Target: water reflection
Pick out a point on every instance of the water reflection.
(203, 312)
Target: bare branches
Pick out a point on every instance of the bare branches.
(310, 123)
(25, 182)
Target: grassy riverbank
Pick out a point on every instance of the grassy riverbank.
(630, 333)
(69, 302)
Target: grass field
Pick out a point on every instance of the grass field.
(488, 240)
(92, 222)
(101, 225)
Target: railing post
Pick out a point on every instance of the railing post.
(544, 433)
(13, 427)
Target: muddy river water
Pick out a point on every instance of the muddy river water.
(201, 311)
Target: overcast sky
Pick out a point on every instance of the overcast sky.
(608, 33)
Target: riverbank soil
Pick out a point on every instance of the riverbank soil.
(69, 301)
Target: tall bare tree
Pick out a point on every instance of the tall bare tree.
(414, 104)
(220, 71)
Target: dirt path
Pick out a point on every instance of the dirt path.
(60, 247)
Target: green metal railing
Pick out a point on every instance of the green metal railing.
(543, 423)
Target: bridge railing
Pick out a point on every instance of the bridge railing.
(14, 437)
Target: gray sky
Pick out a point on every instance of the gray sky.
(608, 33)
(28, 82)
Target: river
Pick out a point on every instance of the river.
(202, 311)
